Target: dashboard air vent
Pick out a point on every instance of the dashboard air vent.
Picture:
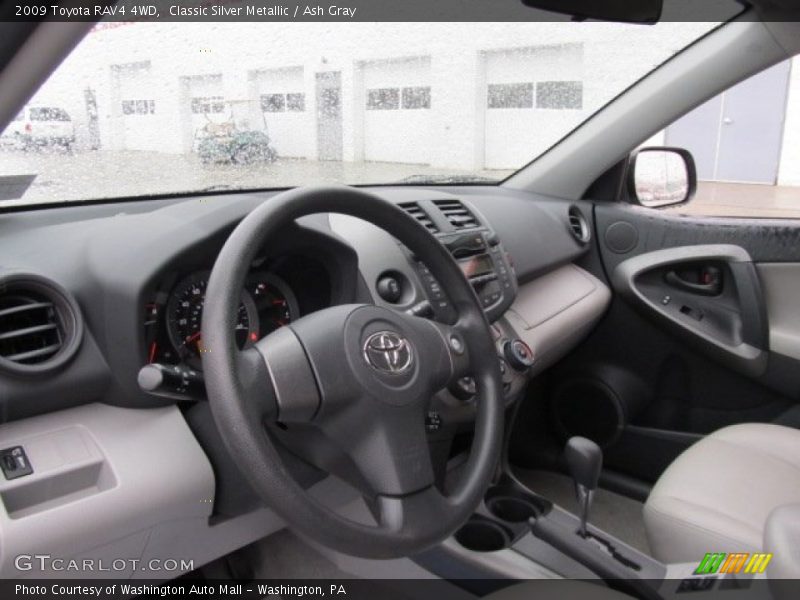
(416, 211)
(578, 226)
(459, 215)
(40, 324)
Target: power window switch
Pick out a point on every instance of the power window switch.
(14, 462)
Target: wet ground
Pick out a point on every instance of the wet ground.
(62, 176)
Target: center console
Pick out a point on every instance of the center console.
(486, 265)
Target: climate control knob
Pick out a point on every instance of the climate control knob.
(518, 354)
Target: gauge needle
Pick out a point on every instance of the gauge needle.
(194, 337)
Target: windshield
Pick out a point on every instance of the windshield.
(143, 109)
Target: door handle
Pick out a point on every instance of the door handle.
(710, 276)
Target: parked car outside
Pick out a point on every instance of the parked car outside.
(42, 126)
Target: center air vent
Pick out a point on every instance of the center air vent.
(459, 215)
(578, 226)
(40, 324)
(420, 215)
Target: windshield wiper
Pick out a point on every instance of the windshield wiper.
(443, 179)
(215, 188)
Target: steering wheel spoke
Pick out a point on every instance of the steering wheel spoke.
(413, 515)
(389, 448)
(289, 376)
(257, 390)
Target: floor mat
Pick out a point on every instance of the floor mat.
(610, 512)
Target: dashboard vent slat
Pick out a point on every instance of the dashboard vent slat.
(459, 216)
(40, 324)
(35, 354)
(416, 211)
(27, 331)
(23, 307)
(28, 328)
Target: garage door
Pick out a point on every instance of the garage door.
(533, 95)
(137, 96)
(397, 120)
(281, 96)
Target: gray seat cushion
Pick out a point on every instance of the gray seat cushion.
(717, 495)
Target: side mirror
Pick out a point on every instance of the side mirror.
(661, 176)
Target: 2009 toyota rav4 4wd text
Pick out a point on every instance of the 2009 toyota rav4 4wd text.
(485, 301)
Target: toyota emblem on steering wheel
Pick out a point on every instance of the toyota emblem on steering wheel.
(388, 352)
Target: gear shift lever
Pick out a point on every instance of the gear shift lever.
(585, 460)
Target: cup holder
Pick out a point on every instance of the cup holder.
(513, 510)
(512, 505)
(480, 534)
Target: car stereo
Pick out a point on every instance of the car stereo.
(485, 264)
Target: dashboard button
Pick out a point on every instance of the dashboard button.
(433, 421)
(456, 344)
(389, 288)
(14, 462)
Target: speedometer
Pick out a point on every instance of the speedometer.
(185, 313)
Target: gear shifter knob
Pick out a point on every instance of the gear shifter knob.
(585, 461)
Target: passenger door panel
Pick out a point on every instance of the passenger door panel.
(709, 295)
(680, 356)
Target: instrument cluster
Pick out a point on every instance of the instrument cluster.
(173, 319)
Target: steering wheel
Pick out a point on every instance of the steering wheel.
(362, 377)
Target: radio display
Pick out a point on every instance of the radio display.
(476, 266)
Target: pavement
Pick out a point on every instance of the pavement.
(107, 174)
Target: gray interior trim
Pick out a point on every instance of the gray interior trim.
(379, 253)
(92, 467)
(122, 483)
(618, 515)
(737, 352)
(781, 285)
(127, 483)
(721, 59)
(555, 311)
(780, 537)
(509, 562)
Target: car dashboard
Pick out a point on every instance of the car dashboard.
(124, 383)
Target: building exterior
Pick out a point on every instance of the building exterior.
(387, 92)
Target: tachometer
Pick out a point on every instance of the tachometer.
(185, 312)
